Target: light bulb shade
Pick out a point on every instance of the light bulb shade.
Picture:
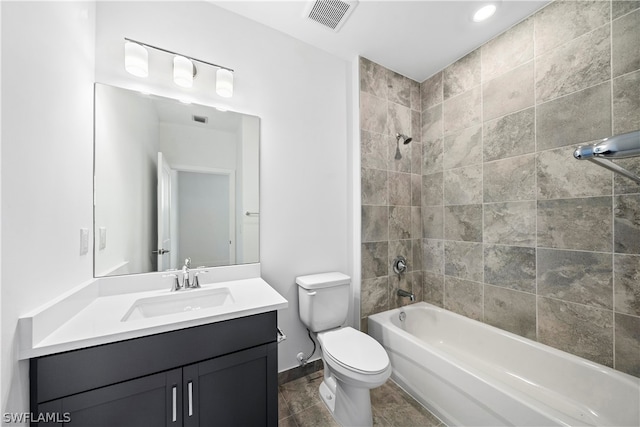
(183, 71)
(136, 59)
(224, 83)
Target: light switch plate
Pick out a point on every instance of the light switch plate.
(103, 237)
(84, 241)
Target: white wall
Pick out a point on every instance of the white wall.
(47, 138)
(47, 54)
(300, 94)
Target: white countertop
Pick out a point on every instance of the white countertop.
(88, 317)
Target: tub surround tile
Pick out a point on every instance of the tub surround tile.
(432, 123)
(463, 148)
(508, 51)
(510, 310)
(627, 224)
(373, 78)
(622, 7)
(399, 89)
(462, 75)
(511, 267)
(560, 176)
(374, 259)
(433, 288)
(574, 66)
(463, 186)
(622, 185)
(416, 157)
(374, 186)
(403, 164)
(463, 297)
(399, 281)
(398, 119)
(463, 260)
(581, 277)
(627, 284)
(416, 128)
(431, 91)
(416, 222)
(375, 223)
(626, 49)
(416, 97)
(562, 224)
(416, 190)
(462, 111)
(432, 156)
(399, 222)
(373, 113)
(578, 329)
(627, 344)
(374, 150)
(510, 223)
(510, 179)
(432, 189)
(562, 21)
(433, 256)
(626, 103)
(511, 92)
(399, 189)
(509, 136)
(433, 222)
(463, 222)
(416, 256)
(374, 296)
(576, 118)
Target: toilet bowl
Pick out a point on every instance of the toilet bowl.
(353, 362)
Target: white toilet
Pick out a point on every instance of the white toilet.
(353, 362)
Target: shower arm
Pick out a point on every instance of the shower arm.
(616, 147)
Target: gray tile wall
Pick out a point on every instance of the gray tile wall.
(508, 228)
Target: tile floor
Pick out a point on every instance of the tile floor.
(299, 405)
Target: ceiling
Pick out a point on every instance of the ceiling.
(414, 38)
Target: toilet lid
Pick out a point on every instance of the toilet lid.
(355, 350)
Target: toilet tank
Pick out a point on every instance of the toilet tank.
(323, 300)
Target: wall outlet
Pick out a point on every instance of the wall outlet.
(84, 241)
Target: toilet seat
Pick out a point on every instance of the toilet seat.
(354, 350)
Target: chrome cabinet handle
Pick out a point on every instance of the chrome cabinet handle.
(174, 403)
(190, 387)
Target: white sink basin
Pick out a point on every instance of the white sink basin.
(178, 302)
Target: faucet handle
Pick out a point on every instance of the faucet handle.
(196, 280)
(176, 283)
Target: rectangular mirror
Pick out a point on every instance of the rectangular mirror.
(172, 181)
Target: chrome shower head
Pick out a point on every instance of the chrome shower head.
(405, 139)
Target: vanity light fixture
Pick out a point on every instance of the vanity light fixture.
(136, 59)
(484, 13)
(184, 67)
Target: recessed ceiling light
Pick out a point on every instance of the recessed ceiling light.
(485, 12)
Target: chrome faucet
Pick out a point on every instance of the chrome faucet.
(185, 274)
(403, 293)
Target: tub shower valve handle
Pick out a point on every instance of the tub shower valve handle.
(400, 264)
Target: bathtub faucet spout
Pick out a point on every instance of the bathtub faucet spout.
(403, 293)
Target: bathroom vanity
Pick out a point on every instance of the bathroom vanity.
(212, 366)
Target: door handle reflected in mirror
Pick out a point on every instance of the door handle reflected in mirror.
(161, 251)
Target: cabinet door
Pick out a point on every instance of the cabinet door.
(154, 400)
(239, 389)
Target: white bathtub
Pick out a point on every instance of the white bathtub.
(472, 374)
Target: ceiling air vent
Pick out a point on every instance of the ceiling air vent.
(330, 13)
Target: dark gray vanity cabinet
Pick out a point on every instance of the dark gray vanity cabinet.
(220, 374)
